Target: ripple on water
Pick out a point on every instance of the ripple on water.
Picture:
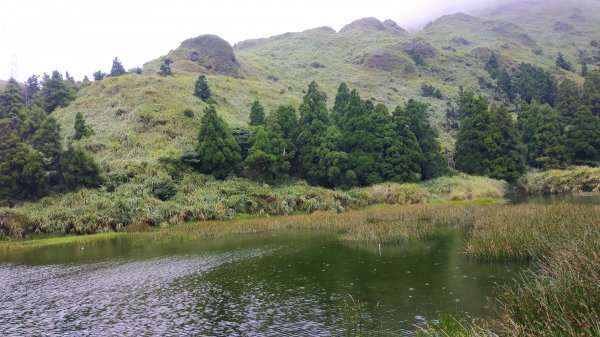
(130, 298)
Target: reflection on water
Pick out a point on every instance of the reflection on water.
(587, 198)
(257, 285)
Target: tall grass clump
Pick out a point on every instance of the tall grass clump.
(524, 232)
(465, 187)
(578, 179)
(560, 296)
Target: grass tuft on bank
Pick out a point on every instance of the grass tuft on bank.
(576, 180)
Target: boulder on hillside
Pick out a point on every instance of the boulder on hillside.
(384, 61)
(209, 53)
(418, 48)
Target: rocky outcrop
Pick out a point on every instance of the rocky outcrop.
(210, 53)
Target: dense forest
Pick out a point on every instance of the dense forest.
(538, 123)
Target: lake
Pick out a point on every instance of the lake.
(285, 284)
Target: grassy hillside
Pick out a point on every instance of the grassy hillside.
(142, 118)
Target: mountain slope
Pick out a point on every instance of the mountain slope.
(143, 117)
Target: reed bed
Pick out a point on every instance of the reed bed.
(133, 196)
(575, 180)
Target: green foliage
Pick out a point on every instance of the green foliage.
(262, 163)
(541, 129)
(428, 90)
(165, 68)
(55, 93)
(99, 75)
(504, 85)
(285, 117)
(492, 66)
(534, 83)
(217, 150)
(162, 186)
(117, 68)
(42, 132)
(242, 138)
(339, 105)
(257, 114)
(11, 101)
(201, 89)
(32, 89)
(561, 62)
(583, 138)
(591, 91)
(79, 169)
(584, 70)
(81, 129)
(310, 133)
(22, 172)
(568, 100)
(488, 144)
(414, 115)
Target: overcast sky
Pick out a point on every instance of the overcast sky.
(82, 36)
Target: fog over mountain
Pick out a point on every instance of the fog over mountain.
(81, 37)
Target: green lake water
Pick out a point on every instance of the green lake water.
(285, 284)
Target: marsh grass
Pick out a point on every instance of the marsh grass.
(575, 180)
(130, 201)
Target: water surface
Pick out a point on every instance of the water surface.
(287, 284)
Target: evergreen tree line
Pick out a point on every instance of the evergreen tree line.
(33, 161)
(355, 143)
(556, 126)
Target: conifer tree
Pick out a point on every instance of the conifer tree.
(99, 75)
(400, 155)
(488, 143)
(567, 100)
(310, 133)
(32, 89)
(492, 66)
(333, 161)
(591, 91)
(534, 83)
(79, 169)
(42, 132)
(261, 162)
(504, 85)
(55, 93)
(285, 117)
(81, 129)
(541, 129)
(201, 89)
(257, 114)
(341, 101)
(415, 115)
(281, 125)
(165, 68)
(219, 154)
(117, 68)
(21, 169)
(561, 62)
(11, 101)
(583, 138)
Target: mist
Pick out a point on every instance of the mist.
(82, 37)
